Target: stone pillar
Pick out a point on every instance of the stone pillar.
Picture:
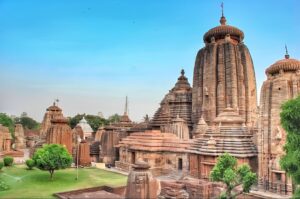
(140, 183)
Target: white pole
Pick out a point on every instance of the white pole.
(77, 154)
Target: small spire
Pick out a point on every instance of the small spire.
(182, 72)
(223, 19)
(126, 107)
(287, 56)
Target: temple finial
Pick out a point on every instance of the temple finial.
(182, 72)
(55, 102)
(222, 7)
(286, 53)
(223, 19)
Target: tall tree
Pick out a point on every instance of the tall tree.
(52, 157)
(227, 172)
(27, 122)
(290, 121)
(114, 118)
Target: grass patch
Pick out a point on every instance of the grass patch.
(35, 183)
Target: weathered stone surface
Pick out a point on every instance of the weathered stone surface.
(5, 139)
(84, 154)
(283, 83)
(189, 188)
(99, 133)
(140, 183)
(179, 127)
(111, 137)
(228, 134)
(19, 137)
(164, 152)
(178, 102)
(60, 133)
(52, 112)
(224, 76)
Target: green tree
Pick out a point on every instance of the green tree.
(227, 172)
(290, 121)
(27, 122)
(93, 120)
(114, 118)
(5, 120)
(52, 157)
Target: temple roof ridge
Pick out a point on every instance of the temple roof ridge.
(286, 64)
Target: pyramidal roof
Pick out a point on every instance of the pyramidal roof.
(85, 126)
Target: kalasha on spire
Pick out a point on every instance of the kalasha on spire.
(286, 64)
(223, 19)
(224, 75)
(223, 30)
(287, 56)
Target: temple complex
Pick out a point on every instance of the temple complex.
(177, 103)
(224, 76)
(192, 127)
(283, 83)
(164, 152)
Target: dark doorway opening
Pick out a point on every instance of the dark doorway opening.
(179, 163)
(132, 157)
(117, 155)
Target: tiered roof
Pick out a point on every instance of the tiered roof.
(221, 31)
(286, 64)
(154, 141)
(178, 102)
(228, 135)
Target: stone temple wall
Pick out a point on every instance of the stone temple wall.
(283, 83)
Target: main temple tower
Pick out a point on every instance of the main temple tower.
(224, 76)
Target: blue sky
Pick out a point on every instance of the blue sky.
(92, 53)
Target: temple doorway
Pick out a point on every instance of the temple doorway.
(117, 155)
(132, 157)
(179, 163)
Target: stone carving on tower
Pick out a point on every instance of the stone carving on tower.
(224, 76)
(283, 83)
(178, 102)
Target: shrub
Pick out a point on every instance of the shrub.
(3, 186)
(1, 165)
(30, 164)
(8, 161)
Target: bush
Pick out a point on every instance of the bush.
(1, 165)
(3, 186)
(8, 161)
(30, 164)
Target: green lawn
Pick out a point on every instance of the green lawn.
(36, 184)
